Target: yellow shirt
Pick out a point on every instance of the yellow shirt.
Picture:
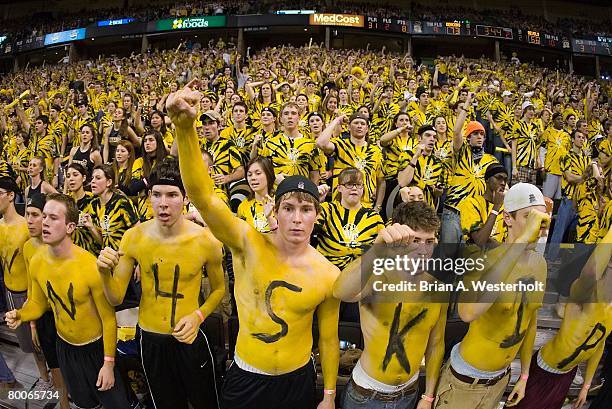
(474, 214)
(557, 145)
(252, 211)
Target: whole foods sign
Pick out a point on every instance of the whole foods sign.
(190, 23)
(345, 20)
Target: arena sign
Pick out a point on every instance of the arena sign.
(190, 23)
(344, 20)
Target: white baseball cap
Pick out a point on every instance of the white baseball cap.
(506, 93)
(526, 105)
(523, 195)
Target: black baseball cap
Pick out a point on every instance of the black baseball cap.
(425, 128)
(494, 169)
(37, 200)
(296, 183)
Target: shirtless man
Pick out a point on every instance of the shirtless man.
(280, 282)
(13, 235)
(501, 323)
(397, 335)
(581, 338)
(171, 253)
(44, 334)
(65, 277)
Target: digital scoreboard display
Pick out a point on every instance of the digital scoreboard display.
(503, 33)
(596, 45)
(387, 24)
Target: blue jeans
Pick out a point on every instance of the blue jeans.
(450, 230)
(6, 375)
(506, 160)
(566, 218)
(354, 400)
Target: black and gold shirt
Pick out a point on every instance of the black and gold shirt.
(467, 178)
(576, 163)
(113, 218)
(292, 156)
(241, 138)
(527, 143)
(81, 236)
(392, 152)
(345, 234)
(252, 211)
(367, 158)
(226, 157)
(427, 174)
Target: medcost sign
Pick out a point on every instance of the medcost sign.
(345, 20)
(189, 23)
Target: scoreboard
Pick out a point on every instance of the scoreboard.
(596, 45)
(543, 39)
(502, 33)
(387, 24)
(450, 28)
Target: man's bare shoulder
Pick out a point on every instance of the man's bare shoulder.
(323, 266)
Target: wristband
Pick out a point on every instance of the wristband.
(199, 313)
(109, 359)
(495, 212)
(586, 386)
(411, 164)
(32, 325)
(427, 398)
(524, 377)
(329, 391)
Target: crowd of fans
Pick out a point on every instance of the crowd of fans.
(371, 132)
(48, 22)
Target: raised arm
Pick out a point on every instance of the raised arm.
(228, 229)
(324, 139)
(457, 131)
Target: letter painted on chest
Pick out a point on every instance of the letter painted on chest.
(7, 265)
(174, 295)
(518, 336)
(269, 338)
(56, 299)
(585, 346)
(396, 339)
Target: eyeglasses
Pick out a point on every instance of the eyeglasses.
(353, 185)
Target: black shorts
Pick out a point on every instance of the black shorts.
(47, 335)
(80, 366)
(248, 390)
(179, 373)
